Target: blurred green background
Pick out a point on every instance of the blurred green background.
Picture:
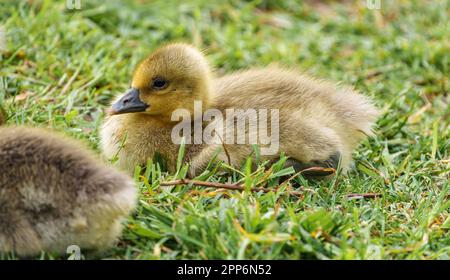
(62, 66)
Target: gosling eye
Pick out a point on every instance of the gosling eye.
(159, 83)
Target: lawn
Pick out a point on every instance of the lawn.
(61, 67)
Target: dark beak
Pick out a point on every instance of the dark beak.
(129, 103)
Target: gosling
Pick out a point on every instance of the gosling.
(55, 193)
(320, 124)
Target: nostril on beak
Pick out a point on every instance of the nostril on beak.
(129, 103)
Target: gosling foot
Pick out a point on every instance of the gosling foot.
(329, 166)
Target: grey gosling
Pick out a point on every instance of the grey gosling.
(55, 193)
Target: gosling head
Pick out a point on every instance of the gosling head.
(171, 78)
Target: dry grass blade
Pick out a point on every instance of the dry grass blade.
(327, 171)
(221, 186)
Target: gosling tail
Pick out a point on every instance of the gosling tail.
(357, 111)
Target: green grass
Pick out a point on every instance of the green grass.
(62, 67)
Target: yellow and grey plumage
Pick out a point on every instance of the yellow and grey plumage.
(320, 123)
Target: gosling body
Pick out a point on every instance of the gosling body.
(54, 193)
(319, 122)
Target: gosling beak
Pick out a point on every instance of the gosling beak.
(129, 103)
